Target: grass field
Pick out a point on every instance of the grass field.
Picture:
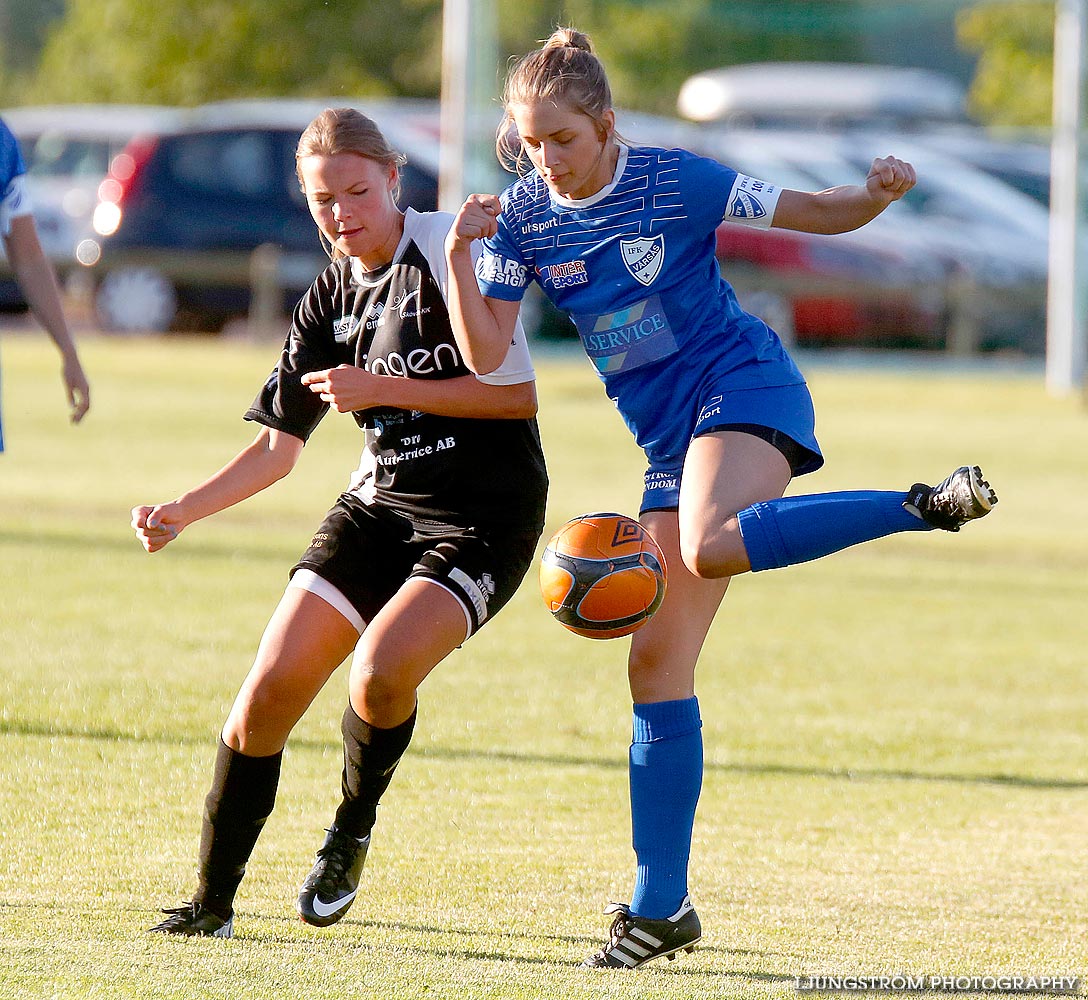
(896, 737)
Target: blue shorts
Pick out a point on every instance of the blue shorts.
(782, 415)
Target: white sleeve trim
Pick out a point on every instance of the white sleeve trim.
(16, 203)
(517, 366)
(752, 202)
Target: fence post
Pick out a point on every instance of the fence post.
(964, 329)
(265, 293)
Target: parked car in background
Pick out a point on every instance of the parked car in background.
(191, 217)
(68, 149)
(815, 95)
(996, 235)
(1022, 163)
(985, 240)
(980, 205)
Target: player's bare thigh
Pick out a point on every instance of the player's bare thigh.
(724, 472)
(304, 642)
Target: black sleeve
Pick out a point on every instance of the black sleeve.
(284, 403)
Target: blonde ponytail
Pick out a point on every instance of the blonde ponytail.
(565, 70)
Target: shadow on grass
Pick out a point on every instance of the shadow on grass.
(579, 944)
(125, 542)
(20, 727)
(338, 941)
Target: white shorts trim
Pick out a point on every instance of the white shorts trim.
(460, 600)
(308, 580)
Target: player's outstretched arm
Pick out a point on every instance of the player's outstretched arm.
(842, 209)
(483, 327)
(268, 459)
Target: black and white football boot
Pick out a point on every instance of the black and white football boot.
(962, 497)
(329, 890)
(194, 920)
(633, 941)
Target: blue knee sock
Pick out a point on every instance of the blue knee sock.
(792, 530)
(666, 763)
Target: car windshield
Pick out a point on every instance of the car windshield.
(53, 154)
(241, 163)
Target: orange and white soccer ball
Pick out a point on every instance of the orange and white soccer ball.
(602, 575)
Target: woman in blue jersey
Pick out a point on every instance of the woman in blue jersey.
(621, 238)
(431, 538)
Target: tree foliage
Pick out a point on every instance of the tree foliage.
(1013, 83)
(189, 51)
(650, 48)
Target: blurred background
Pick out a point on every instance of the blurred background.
(160, 149)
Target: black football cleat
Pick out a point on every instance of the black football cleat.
(962, 497)
(194, 920)
(633, 941)
(329, 890)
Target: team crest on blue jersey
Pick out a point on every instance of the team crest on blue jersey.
(644, 257)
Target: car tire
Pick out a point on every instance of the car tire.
(136, 300)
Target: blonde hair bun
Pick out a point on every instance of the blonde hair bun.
(568, 38)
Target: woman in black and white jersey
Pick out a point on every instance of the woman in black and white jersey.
(432, 538)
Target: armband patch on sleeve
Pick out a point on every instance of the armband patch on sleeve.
(752, 202)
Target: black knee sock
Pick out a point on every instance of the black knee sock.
(241, 798)
(371, 756)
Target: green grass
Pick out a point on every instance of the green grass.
(896, 737)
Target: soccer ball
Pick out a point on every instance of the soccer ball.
(602, 575)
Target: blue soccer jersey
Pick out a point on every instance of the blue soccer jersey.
(635, 268)
(13, 197)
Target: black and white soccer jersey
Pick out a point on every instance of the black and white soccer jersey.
(457, 470)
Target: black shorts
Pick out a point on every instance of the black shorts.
(367, 552)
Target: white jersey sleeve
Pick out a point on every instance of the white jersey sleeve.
(429, 231)
(517, 367)
(14, 203)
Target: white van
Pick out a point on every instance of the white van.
(821, 95)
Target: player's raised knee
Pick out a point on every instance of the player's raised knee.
(712, 557)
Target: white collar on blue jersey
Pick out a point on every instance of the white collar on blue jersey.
(621, 163)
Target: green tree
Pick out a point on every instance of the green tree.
(651, 46)
(23, 25)
(1013, 83)
(189, 51)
